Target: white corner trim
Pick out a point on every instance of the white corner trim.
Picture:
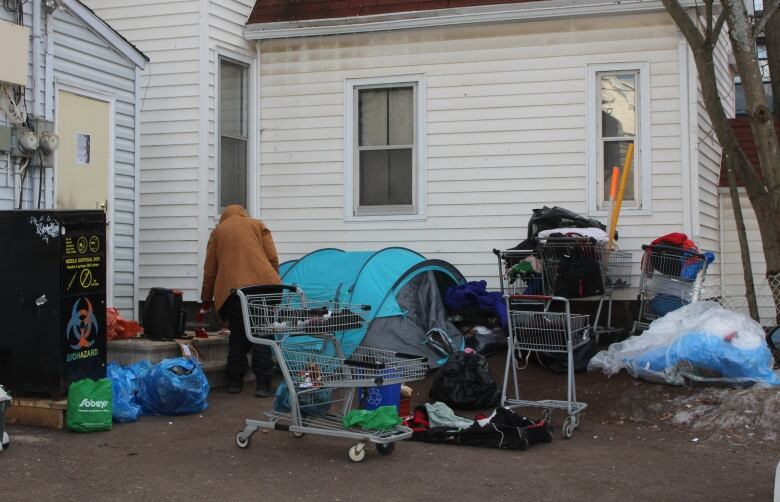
(203, 140)
(447, 17)
(645, 136)
(685, 135)
(257, 170)
(137, 197)
(106, 32)
(421, 136)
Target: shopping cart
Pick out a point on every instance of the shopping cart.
(601, 271)
(320, 374)
(670, 278)
(534, 327)
(520, 272)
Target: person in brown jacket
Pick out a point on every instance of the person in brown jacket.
(240, 253)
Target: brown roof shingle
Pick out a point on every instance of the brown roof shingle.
(269, 11)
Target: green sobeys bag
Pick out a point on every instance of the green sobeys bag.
(89, 405)
(380, 419)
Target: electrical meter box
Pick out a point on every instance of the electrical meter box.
(52, 299)
(14, 40)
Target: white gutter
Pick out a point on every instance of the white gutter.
(35, 41)
(446, 17)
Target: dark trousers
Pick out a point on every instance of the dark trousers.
(239, 345)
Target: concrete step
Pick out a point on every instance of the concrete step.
(212, 354)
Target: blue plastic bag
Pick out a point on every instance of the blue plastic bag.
(175, 386)
(312, 403)
(125, 386)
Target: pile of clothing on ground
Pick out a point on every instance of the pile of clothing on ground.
(504, 429)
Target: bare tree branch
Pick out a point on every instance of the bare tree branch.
(766, 16)
(718, 26)
(691, 32)
(708, 20)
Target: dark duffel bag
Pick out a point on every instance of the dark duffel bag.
(163, 317)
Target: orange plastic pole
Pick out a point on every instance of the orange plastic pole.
(612, 194)
(622, 190)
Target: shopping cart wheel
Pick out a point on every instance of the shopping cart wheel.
(385, 449)
(548, 436)
(547, 414)
(242, 440)
(297, 435)
(524, 444)
(577, 421)
(357, 452)
(568, 427)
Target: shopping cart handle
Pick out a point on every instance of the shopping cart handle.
(364, 364)
(545, 298)
(403, 355)
(673, 249)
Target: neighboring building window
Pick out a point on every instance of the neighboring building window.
(233, 132)
(618, 116)
(385, 162)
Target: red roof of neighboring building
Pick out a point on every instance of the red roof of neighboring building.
(269, 11)
(741, 127)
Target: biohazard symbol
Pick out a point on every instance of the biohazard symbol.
(82, 325)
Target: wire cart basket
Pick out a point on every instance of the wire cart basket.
(611, 270)
(541, 330)
(670, 278)
(321, 374)
(535, 327)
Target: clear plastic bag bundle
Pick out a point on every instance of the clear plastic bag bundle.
(698, 342)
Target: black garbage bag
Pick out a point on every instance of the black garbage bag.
(548, 218)
(557, 217)
(465, 382)
(486, 341)
(559, 362)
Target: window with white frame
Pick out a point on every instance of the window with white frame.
(618, 117)
(384, 147)
(233, 132)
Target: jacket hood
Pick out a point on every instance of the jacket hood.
(234, 210)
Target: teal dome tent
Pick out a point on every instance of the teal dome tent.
(402, 287)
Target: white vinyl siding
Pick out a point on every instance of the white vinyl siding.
(83, 60)
(732, 275)
(167, 32)
(506, 132)
(707, 234)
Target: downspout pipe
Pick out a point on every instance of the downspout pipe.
(36, 57)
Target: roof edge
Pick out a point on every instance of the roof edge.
(109, 34)
(547, 9)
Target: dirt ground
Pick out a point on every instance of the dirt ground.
(638, 441)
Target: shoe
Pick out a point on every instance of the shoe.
(234, 388)
(264, 391)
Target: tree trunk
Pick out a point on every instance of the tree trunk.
(744, 248)
(772, 33)
(761, 123)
